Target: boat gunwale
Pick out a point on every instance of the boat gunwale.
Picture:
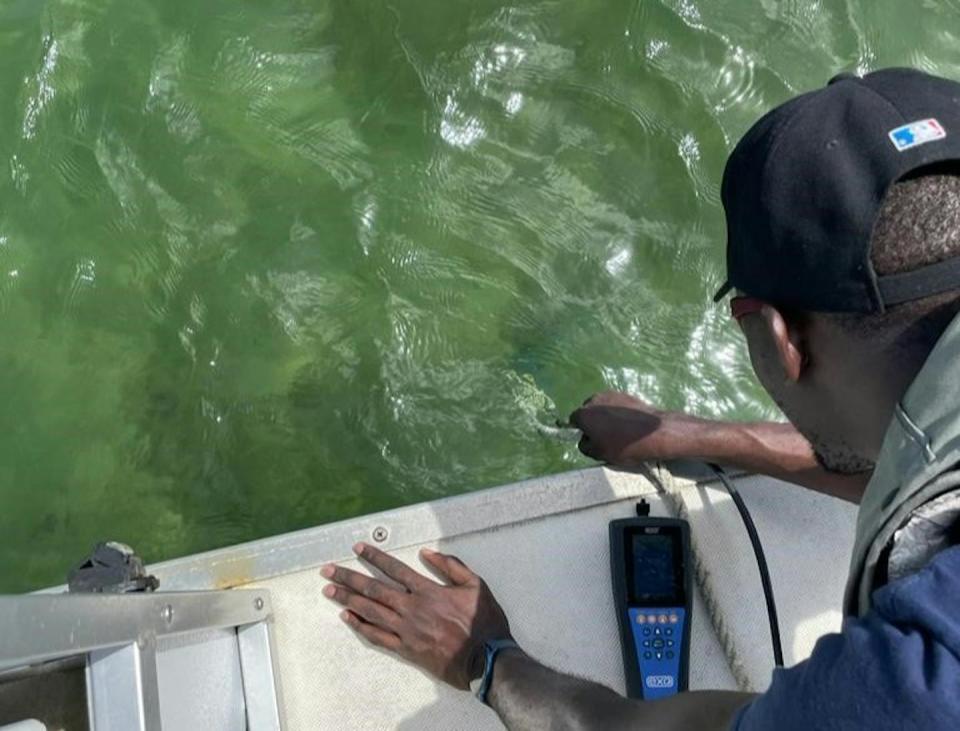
(425, 522)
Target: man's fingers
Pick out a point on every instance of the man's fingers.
(574, 420)
(588, 448)
(374, 634)
(367, 609)
(368, 587)
(392, 567)
(449, 566)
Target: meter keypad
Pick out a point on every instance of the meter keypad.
(656, 636)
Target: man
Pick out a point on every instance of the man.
(843, 217)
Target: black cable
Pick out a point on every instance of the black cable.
(761, 562)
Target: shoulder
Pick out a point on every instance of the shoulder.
(896, 667)
(926, 602)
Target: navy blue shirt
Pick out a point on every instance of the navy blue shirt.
(897, 667)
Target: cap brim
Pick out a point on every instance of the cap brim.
(722, 292)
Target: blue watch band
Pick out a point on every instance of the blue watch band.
(491, 649)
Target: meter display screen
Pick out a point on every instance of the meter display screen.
(655, 574)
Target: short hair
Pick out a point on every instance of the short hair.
(918, 224)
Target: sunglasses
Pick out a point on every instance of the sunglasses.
(740, 307)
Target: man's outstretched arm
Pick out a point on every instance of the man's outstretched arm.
(529, 696)
(624, 431)
(442, 628)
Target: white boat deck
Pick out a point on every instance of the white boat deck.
(542, 547)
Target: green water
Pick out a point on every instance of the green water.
(264, 265)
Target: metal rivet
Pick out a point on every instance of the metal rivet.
(167, 614)
(258, 604)
(380, 534)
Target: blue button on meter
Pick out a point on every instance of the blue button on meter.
(652, 588)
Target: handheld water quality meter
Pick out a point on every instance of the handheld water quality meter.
(652, 589)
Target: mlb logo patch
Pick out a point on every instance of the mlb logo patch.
(917, 133)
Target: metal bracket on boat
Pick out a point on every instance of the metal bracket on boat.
(145, 654)
(112, 568)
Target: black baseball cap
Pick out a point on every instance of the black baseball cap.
(803, 188)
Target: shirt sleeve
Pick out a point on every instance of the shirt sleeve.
(895, 668)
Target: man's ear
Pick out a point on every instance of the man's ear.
(788, 343)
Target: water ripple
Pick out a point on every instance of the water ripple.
(42, 87)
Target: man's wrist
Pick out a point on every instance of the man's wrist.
(491, 651)
(509, 661)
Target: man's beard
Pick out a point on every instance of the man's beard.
(840, 459)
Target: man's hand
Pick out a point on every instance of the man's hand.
(622, 430)
(440, 628)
